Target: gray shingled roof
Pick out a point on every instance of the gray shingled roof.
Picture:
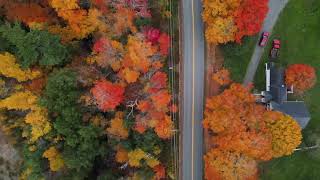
(279, 98)
(278, 89)
(296, 109)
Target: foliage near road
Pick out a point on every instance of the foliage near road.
(298, 29)
(244, 133)
(84, 88)
(231, 20)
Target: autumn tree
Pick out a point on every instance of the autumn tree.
(164, 128)
(117, 127)
(140, 7)
(139, 54)
(244, 133)
(107, 95)
(227, 165)
(152, 34)
(249, 17)
(286, 133)
(160, 172)
(136, 156)
(164, 44)
(301, 76)
(123, 20)
(37, 118)
(122, 155)
(81, 22)
(222, 111)
(222, 77)
(10, 68)
(218, 16)
(230, 20)
(55, 159)
(21, 12)
(107, 53)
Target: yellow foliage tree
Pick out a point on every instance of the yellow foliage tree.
(218, 16)
(20, 101)
(286, 133)
(228, 165)
(117, 127)
(135, 157)
(139, 52)
(37, 117)
(9, 68)
(152, 162)
(55, 159)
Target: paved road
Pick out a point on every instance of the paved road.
(276, 7)
(192, 88)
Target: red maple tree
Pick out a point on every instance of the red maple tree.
(107, 95)
(157, 82)
(164, 42)
(249, 17)
(152, 34)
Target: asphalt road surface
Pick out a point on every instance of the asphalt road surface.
(275, 8)
(192, 89)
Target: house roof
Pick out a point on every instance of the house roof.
(278, 97)
(278, 89)
(296, 109)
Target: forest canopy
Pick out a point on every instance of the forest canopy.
(85, 89)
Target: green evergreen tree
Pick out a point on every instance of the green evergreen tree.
(34, 46)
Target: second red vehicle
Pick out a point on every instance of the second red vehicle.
(264, 39)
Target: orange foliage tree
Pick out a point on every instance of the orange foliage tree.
(117, 127)
(81, 22)
(230, 20)
(123, 21)
(301, 76)
(244, 128)
(238, 121)
(218, 16)
(21, 12)
(222, 77)
(227, 165)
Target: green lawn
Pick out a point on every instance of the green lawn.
(237, 56)
(299, 31)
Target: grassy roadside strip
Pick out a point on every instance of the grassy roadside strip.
(237, 56)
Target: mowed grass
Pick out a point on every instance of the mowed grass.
(237, 56)
(298, 28)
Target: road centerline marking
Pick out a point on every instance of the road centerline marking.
(193, 90)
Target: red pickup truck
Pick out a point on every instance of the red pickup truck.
(274, 52)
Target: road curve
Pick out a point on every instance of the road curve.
(275, 8)
(192, 78)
